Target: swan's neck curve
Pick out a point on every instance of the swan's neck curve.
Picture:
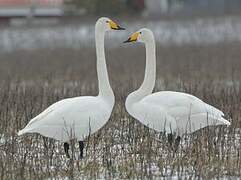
(105, 89)
(150, 74)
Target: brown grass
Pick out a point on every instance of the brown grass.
(31, 81)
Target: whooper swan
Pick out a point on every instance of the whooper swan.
(167, 111)
(79, 116)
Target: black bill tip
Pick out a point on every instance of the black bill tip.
(128, 40)
(120, 28)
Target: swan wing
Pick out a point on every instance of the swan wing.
(70, 118)
(153, 116)
(51, 109)
(187, 110)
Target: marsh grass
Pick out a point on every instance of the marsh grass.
(123, 148)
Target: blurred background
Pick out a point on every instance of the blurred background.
(31, 24)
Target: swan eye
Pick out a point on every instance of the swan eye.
(140, 32)
(107, 21)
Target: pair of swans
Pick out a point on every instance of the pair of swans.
(163, 111)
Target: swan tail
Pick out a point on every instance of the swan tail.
(21, 132)
(217, 114)
(224, 121)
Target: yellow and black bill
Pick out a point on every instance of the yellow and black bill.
(115, 26)
(133, 37)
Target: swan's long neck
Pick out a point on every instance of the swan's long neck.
(103, 78)
(150, 73)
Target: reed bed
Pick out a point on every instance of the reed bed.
(30, 81)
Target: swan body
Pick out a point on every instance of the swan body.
(79, 116)
(175, 112)
(72, 117)
(167, 111)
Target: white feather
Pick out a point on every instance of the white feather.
(168, 110)
(80, 116)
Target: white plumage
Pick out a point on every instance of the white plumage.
(71, 118)
(79, 116)
(167, 110)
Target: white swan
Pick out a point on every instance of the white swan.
(167, 111)
(79, 116)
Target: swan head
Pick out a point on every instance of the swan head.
(107, 24)
(143, 35)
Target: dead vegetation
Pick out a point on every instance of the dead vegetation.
(31, 81)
